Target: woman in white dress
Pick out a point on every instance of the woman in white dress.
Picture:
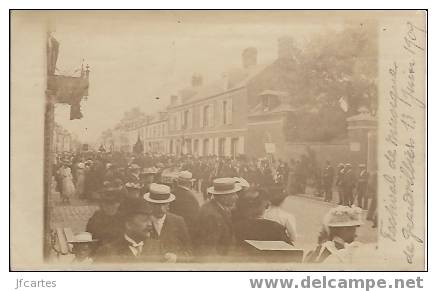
(276, 213)
(80, 179)
(68, 188)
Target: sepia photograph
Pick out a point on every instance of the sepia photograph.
(218, 140)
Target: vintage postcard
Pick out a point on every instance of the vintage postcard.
(218, 140)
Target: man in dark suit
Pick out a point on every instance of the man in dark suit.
(214, 233)
(328, 179)
(362, 182)
(186, 203)
(169, 230)
(133, 174)
(133, 245)
(348, 185)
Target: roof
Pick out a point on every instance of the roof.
(231, 80)
(283, 107)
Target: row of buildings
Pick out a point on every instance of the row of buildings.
(64, 141)
(242, 113)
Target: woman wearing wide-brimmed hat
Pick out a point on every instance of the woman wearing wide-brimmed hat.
(338, 244)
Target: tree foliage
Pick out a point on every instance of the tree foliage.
(332, 66)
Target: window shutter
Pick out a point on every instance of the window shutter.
(229, 111)
(211, 115)
(220, 112)
(240, 145)
(190, 118)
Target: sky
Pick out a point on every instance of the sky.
(135, 57)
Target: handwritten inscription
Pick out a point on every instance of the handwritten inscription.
(398, 222)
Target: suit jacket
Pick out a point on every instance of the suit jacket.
(174, 237)
(328, 176)
(118, 251)
(214, 231)
(185, 205)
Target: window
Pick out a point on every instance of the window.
(225, 112)
(196, 146)
(221, 147)
(206, 116)
(185, 120)
(234, 147)
(205, 147)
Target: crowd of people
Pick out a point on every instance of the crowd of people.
(150, 209)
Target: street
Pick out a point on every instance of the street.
(309, 213)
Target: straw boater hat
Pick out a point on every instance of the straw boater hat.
(342, 216)
(185, 176)
(131, 185)
(159, 193)
(224, 186)
(243, 182)
(149, 171)
(82, 237)
(134, 167)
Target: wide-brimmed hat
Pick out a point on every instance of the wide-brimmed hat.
(224, 186)
(82, 237)
(159, 193)
(362, 165)
(342, 216)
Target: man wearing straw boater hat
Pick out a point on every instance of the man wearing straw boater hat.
(186, 203)
(214, 234)
(169, 229)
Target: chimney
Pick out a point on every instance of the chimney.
(286, 48)
(249, 57)
(196, 80)
(174, 99)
